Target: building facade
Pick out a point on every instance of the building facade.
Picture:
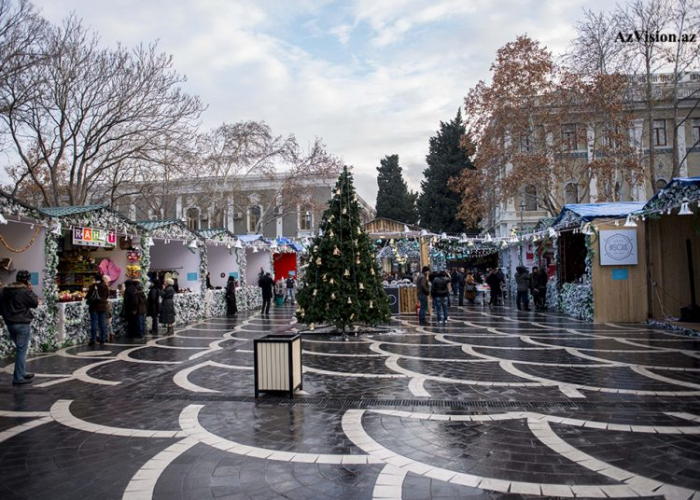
(583, 141)
(267, 205)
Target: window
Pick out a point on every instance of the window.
(660, 184)
(695, 132)
(617, 191)
(530, 198)
(254, 215)
(193, 218)
(306, 220)
(611, 137)
(571, 193)
(568, 135)
(659, 133)
(217, 219)
(526, 144)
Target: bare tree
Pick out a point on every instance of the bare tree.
(233, 156)
(94, 113)
(20, 31)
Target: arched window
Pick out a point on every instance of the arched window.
(571, 193)
(618, 191)
(306, 219)
(660, 184)
(254, 215)
(530, 198)
(193, 218)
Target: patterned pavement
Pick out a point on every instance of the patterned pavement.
(496, 404)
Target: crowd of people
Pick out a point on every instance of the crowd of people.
(439, 286)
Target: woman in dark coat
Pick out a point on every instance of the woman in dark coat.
(130, 309)
(154, 294)
(167, 306)
(231, 308)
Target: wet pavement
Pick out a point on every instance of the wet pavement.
(496, 404)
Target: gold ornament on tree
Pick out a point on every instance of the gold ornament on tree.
(372, 271)
(336, 251)
(314, 294)
(357, 260)
(371, 304)
(332, 281)
(331, 233)
(362, 287)
(345, 210)
(349, 300)
(332, 296)
(346, 273)
(319, 261)
(311, 327)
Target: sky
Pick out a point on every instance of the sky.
(369, 77)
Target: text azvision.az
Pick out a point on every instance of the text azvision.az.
(645, 36)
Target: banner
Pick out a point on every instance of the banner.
(91, 237)
(618, 247)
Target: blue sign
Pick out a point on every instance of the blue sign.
(292, 273)
(234, 274)
(192, 276)
(34, 279)
(619, 274)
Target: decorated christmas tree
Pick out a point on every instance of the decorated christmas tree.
(342, 284)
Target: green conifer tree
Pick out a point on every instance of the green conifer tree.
(342, 284)
(394, 200)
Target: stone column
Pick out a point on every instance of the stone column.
(590, 151)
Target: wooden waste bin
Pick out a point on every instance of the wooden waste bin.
(278, 364)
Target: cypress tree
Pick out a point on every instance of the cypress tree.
(342, 284)
(438, 204)
(394, 200)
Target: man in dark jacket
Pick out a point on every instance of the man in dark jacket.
(423, 286)
(130, 309)
(16, 302)
(97, 296)
(494, 284)
(441, 292)
(539, 288)
(523, 283)
(268, 285)
(153, 306)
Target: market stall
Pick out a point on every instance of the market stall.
(258, 258)
(223, 260)
(175, 251)
(284, 257)
(89, 239)
(673, 228)
(601, 272)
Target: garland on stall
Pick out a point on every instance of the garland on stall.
(25, 247)
(203, 269)
(145, 260)
(577, 298)
(242, 261)
(44, 325)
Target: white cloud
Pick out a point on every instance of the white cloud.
(400, 66)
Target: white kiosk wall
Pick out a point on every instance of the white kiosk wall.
(256, 260)
(178, 257)
(33, 259)
(219, 261)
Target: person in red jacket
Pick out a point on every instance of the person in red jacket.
(16, 303)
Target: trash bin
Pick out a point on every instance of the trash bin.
(279, 300)
(277, 364)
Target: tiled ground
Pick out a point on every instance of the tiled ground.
(496, 404)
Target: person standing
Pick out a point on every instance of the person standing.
(423, 291)
(495, 285)
(153, 305)
(441, 294)
(141, 310)
(470, 289)
(129, 309)
(523, 284)
(268, 285)
(539, 288)
(290, 289)
(97, 297)
(231, 307)
(167, 307)
(16, 303)
(461, 282)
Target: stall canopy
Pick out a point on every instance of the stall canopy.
(216, 234)
(250, 238)
(586, 212)
(679, 190)
(298, 247)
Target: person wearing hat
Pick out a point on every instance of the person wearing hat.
(97, 298)
(16, 303)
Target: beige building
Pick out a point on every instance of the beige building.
(582, 143)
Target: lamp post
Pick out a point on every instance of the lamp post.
(522, 230)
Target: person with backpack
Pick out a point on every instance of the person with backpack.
(16, 303)
(290, 290)
(97, 297)
(441, 292)
(523, 283)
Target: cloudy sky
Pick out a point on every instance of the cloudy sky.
(369, 77)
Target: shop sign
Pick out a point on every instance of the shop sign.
(618, 247)
(91, 237)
